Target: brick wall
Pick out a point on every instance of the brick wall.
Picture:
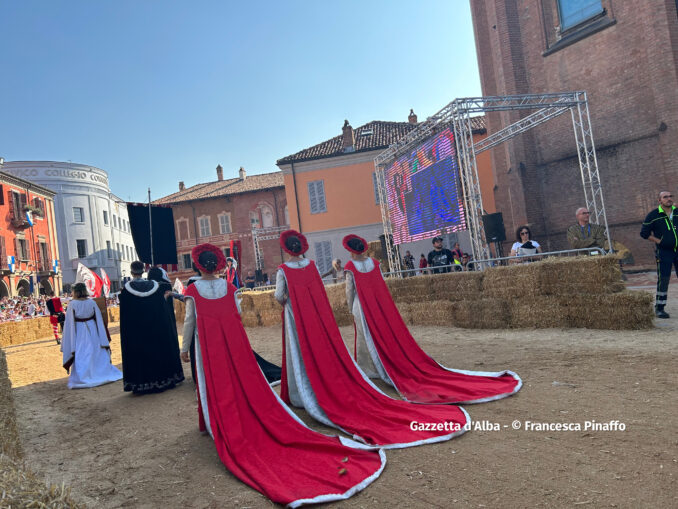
(239, 207)
(628, 67)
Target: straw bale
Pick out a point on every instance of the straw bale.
(250, 319)
(15, 333)
(511, 282)
(539, 312)
(579, 275)
(21, 488)
(114, 313)
(264, 301)
(246, 301)
(179, 310)
(336, 294)
(268, 317)
(627, 310)
(9, 437)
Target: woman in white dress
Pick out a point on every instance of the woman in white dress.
(85, 348)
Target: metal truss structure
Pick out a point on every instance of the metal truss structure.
(458, 115)
(259, 234)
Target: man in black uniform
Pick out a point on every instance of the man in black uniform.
(660, 227)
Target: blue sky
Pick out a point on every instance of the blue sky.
(155, 92)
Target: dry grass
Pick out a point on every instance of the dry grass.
(10, 444)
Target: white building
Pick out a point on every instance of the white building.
(92, 223)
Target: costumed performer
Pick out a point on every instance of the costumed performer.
(150, 351)
(213, 287)
(85, 347)
(320, 375)
(384, 347)
(261, 441)
(231, 272)
(159, 275)
(56, 315)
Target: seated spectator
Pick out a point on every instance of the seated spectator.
(457, 262)
(584, 234)
(250, 279)
(525, 246)
(337, 272)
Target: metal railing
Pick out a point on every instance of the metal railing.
(493, 262)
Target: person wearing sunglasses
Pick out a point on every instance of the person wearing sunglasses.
(524, 244)
(660, 228)
(584, 234)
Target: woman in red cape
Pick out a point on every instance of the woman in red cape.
(261, 441)
(320, 375)
(384, 347)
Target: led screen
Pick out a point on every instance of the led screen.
(423, 191)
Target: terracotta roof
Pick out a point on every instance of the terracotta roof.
(374, 135)
(225, 188)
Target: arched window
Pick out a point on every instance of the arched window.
(287, 215)
(255, 222)
(266, 216)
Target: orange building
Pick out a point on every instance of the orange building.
(27, 252)
(331, 187)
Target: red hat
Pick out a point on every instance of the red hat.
(202, 248)
(291, 234)
(351, 237)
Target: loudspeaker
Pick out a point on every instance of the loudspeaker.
(259, 275)
(493, 224)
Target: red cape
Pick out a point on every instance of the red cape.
(416, 376)
(348, 398)
(258, 439)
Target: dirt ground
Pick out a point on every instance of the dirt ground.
(120, 450)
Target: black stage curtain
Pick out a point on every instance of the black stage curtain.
(164, 240)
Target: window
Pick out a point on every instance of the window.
(574, 12)
(108, 249)
(323, 255)
(115, 221)
(106, 217)
(188, 264)
(287, 215)
(205, 227)
(266, 216)
(22, 249)
(375, 185)
(316, 195)
(225, 223)
(117, 250)
(44, 255)
(254, 219)
(182, 229)
(78, 214)
(129, 253)
(82, 248)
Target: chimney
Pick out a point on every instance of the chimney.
(182, 186)
(412, 117)
(220, 172)
(348, 140)
(242, 173)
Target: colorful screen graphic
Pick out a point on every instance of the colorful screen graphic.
(423, 190)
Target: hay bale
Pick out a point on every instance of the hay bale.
(579, 275)
(511, 282)
(538, 312)
(246, 301)
(16, 333)
(250, 319)
(489, 313)
(179, 310)
(264, 301)
(269, 317)
(9, 438)
(627, 310)
(21, 488)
